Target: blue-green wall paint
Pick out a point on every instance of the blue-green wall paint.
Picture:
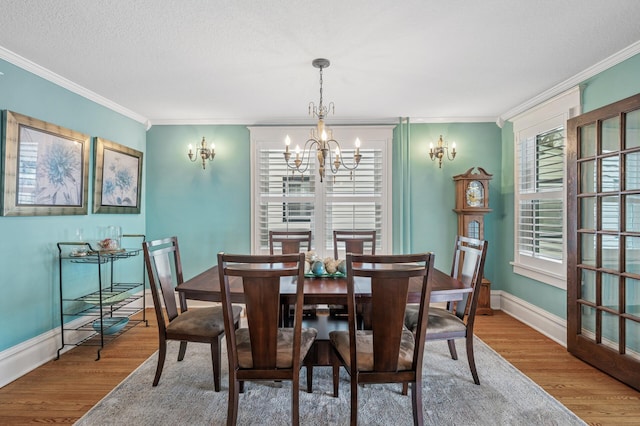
(208, 210)
(549, 298)
(614, 84)
(27, 253)
(433, 223)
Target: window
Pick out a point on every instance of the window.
(284, 200)
(539, 174)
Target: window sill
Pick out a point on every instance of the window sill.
(546, 277)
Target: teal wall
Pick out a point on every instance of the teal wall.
(208, 210)
(614, 84)
(29, 284)
(432, 223)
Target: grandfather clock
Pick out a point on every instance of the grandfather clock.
(472, 203)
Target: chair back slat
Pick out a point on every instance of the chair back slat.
(389, 298)
(262, 303)
(162, 259)
(354, 242)
(290, 242)
(468, 267)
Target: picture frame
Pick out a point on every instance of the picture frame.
(118, 178)
(44, 168)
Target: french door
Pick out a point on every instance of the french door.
(603, 219)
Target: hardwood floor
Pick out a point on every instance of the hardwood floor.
(61, 391)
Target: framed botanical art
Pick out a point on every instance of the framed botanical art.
(44, 168)
(118, 178)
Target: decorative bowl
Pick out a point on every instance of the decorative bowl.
(318, 269)
(111, 325)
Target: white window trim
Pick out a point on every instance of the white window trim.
(382, 133)
(546, 116)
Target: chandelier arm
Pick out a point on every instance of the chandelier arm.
(305, 156)
(335, 170)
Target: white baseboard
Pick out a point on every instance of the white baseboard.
(544, 322)
(21, 359)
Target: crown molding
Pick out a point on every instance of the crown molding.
(54, 78)
(576, 80)
(282, 121)
(357, 121)
(479, 119)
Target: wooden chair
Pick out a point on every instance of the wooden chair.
(290, 241)
(204, 325)
(354, 242)
(263, 350)
(457, 319)
(388, 352)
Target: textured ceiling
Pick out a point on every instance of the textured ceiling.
(240, 61)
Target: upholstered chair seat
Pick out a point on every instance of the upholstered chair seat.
(440, 320)
(203, 322)
(284, 350)
(364, 345)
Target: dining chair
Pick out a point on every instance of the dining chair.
(292, 242)
(263, 350)
(289, 241)
(387, 352)
(457, 319)
(354, 241)
(204, 325)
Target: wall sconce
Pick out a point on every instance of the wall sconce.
(439, 151)
(204, 153)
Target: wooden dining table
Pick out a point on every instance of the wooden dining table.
(319, 290)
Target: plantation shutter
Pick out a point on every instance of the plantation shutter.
(539, 249)
(287, 200)
(541, 185)
(356, 203)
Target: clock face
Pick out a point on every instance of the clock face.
(475, 194)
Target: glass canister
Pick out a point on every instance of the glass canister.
(109, 237)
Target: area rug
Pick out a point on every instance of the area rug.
(185, 395)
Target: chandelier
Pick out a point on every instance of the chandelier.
(440, 150)
(321, 138)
